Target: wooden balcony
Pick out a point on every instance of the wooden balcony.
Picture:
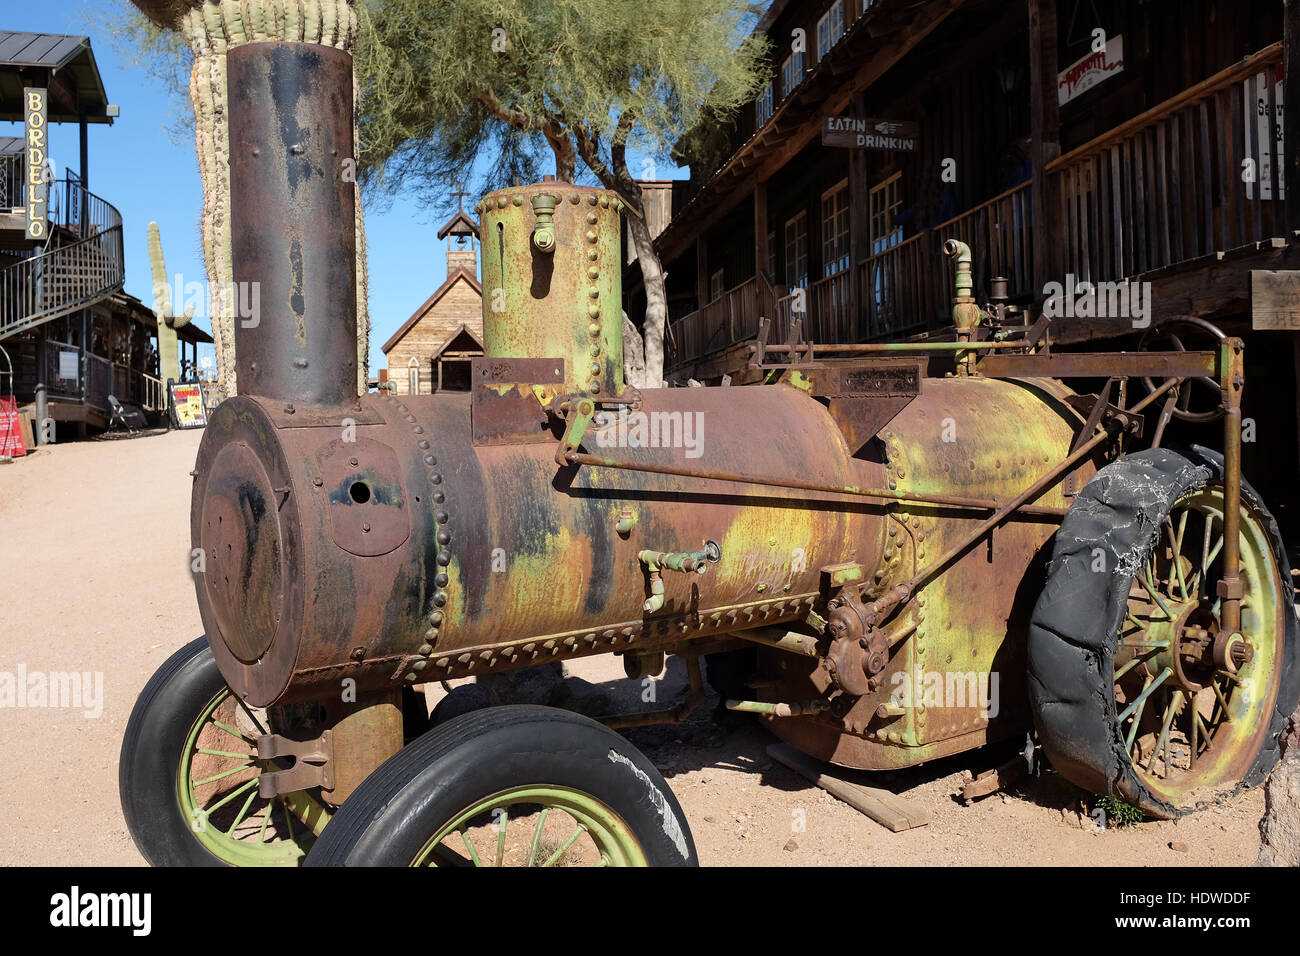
(730, 318)
(1186, 179)
(1161, 198)
(905, 289)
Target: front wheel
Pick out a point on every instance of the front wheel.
(189, 771)
(511, 786)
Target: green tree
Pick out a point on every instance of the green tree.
(449, 82)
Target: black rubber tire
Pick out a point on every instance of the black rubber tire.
(1074, 628)
(152, 748)
(400, 806)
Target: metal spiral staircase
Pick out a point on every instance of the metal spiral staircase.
(80, 264)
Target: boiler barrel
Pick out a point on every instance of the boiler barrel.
(402, 552)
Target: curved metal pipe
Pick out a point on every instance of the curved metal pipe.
(960, 253)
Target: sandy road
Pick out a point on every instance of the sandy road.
(94, 577)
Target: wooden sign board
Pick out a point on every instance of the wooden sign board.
(36, 141)
(1274, 301)
(187, 400)
(1089, 70)
(870, 133)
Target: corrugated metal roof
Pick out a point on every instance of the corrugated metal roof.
(77, 88)
(51, 50)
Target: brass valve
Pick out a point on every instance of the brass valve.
(686, 561)
(544, 228)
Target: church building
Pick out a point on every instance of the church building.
(431, 352)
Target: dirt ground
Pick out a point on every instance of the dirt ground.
(94, 576)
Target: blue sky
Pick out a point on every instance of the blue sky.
(135, 165)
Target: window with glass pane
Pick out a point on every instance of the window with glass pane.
(796, 251)
(835, 230)
(884, 203)
(716, 287)
(830, 28)
(763, 107)
(791, 73)
(413, 379)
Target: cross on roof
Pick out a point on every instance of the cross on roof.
(459, 194)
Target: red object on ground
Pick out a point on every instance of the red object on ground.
(11, 432)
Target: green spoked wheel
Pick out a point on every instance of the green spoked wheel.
(1193, 701)
(188, 776)
(534, 826)
(1137, 687)
(511, 786)
(217, 786)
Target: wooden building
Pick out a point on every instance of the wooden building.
(114, 353)
(65, 322)
(1067, 141)
(432, 350)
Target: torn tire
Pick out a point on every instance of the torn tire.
(1123, 525)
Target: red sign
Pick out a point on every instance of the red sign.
(187, 401)
(11, 430)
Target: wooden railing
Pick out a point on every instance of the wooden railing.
(151, 394)
(1196, 175)
(830, 309)
(998, 232)
(98, 377)
(731, 317)
(898, 289)
(137, 387)
(99, 382)
(904, 289)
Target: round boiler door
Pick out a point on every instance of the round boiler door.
(243, 552)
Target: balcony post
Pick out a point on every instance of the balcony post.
(1045, 119)
(859, 226)
(1291, 117)
(702, 270)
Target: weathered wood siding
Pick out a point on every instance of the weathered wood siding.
(461, 304)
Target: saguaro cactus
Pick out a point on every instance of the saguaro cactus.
(212, 28)
(169, 366)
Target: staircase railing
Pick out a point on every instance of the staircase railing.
(65, 277)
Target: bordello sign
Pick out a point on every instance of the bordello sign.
(870, 133)
(38, 149)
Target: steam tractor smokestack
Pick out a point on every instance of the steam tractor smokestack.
(293, 221)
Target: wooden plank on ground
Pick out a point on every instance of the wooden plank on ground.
(25, 423)
(886, 808)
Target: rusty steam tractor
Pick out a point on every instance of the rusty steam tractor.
(867, 514)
